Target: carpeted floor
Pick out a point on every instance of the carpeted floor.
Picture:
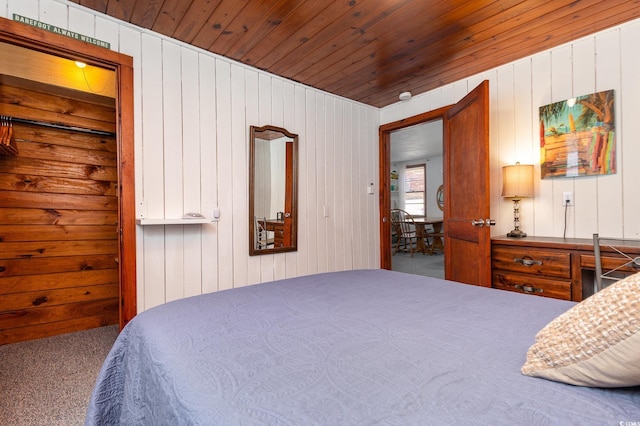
(49, 381)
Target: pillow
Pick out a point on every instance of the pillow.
(596, 343)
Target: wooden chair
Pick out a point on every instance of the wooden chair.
(431, 237)
(404, 228)
(262, 235)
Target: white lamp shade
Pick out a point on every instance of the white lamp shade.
(517, 181)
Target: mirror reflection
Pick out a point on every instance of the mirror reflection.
(272, 190)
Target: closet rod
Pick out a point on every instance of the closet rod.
(62, 127)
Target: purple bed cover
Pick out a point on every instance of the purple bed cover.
(346, 348)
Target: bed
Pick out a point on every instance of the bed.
(345, 348)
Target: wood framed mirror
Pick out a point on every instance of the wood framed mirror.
(273, 190)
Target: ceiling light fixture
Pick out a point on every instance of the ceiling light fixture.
(405, 96)
(80, 64)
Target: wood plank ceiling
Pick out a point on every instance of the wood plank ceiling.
(372, 50)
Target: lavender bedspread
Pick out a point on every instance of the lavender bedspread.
(349, 348)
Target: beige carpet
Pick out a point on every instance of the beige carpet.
(49, 381)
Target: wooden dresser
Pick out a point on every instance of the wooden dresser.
(277, 227)
(562, 268)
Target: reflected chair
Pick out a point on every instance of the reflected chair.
(262, 235)
(405, 229)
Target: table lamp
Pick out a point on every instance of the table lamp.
(517, 183)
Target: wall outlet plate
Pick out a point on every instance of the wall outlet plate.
(567, 199)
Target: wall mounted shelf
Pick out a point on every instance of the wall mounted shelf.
(178, 221)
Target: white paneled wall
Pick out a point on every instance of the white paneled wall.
(192, 116)
(608, 205)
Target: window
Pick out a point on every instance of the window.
(414, 189)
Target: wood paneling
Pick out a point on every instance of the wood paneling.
(58, 219)
(371, 51)
(20, 98)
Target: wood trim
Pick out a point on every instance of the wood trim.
(127, 205)
(384, 154)
(33, 38)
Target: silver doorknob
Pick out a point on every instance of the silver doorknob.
(482, 222)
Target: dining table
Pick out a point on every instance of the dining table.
(436, 235)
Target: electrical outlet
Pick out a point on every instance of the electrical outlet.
(567, 199)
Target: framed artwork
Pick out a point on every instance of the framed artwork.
(577, 136)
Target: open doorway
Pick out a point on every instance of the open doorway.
(70, 112)
(416, 164)
(410, 129)
(465, 194)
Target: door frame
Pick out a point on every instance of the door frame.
(385, 174)
(16, 33)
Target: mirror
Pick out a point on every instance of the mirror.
(273, 180)
(440, 197)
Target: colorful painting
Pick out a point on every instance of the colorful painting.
(577, 136)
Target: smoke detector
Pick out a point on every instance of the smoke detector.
(405, 96)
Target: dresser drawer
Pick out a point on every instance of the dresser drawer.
(530, 284)
(531, 261)
(608, 263)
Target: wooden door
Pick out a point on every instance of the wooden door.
(467, 247)
(288, 196)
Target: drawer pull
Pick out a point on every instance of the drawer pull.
(528, 288)
(527, 261)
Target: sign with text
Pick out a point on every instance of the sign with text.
(61, 31)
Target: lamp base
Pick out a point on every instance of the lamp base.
(516, 233)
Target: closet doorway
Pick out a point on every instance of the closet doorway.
(67, 216)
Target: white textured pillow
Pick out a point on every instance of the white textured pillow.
(595, 343)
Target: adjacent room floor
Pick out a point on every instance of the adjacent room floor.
(419, 264)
